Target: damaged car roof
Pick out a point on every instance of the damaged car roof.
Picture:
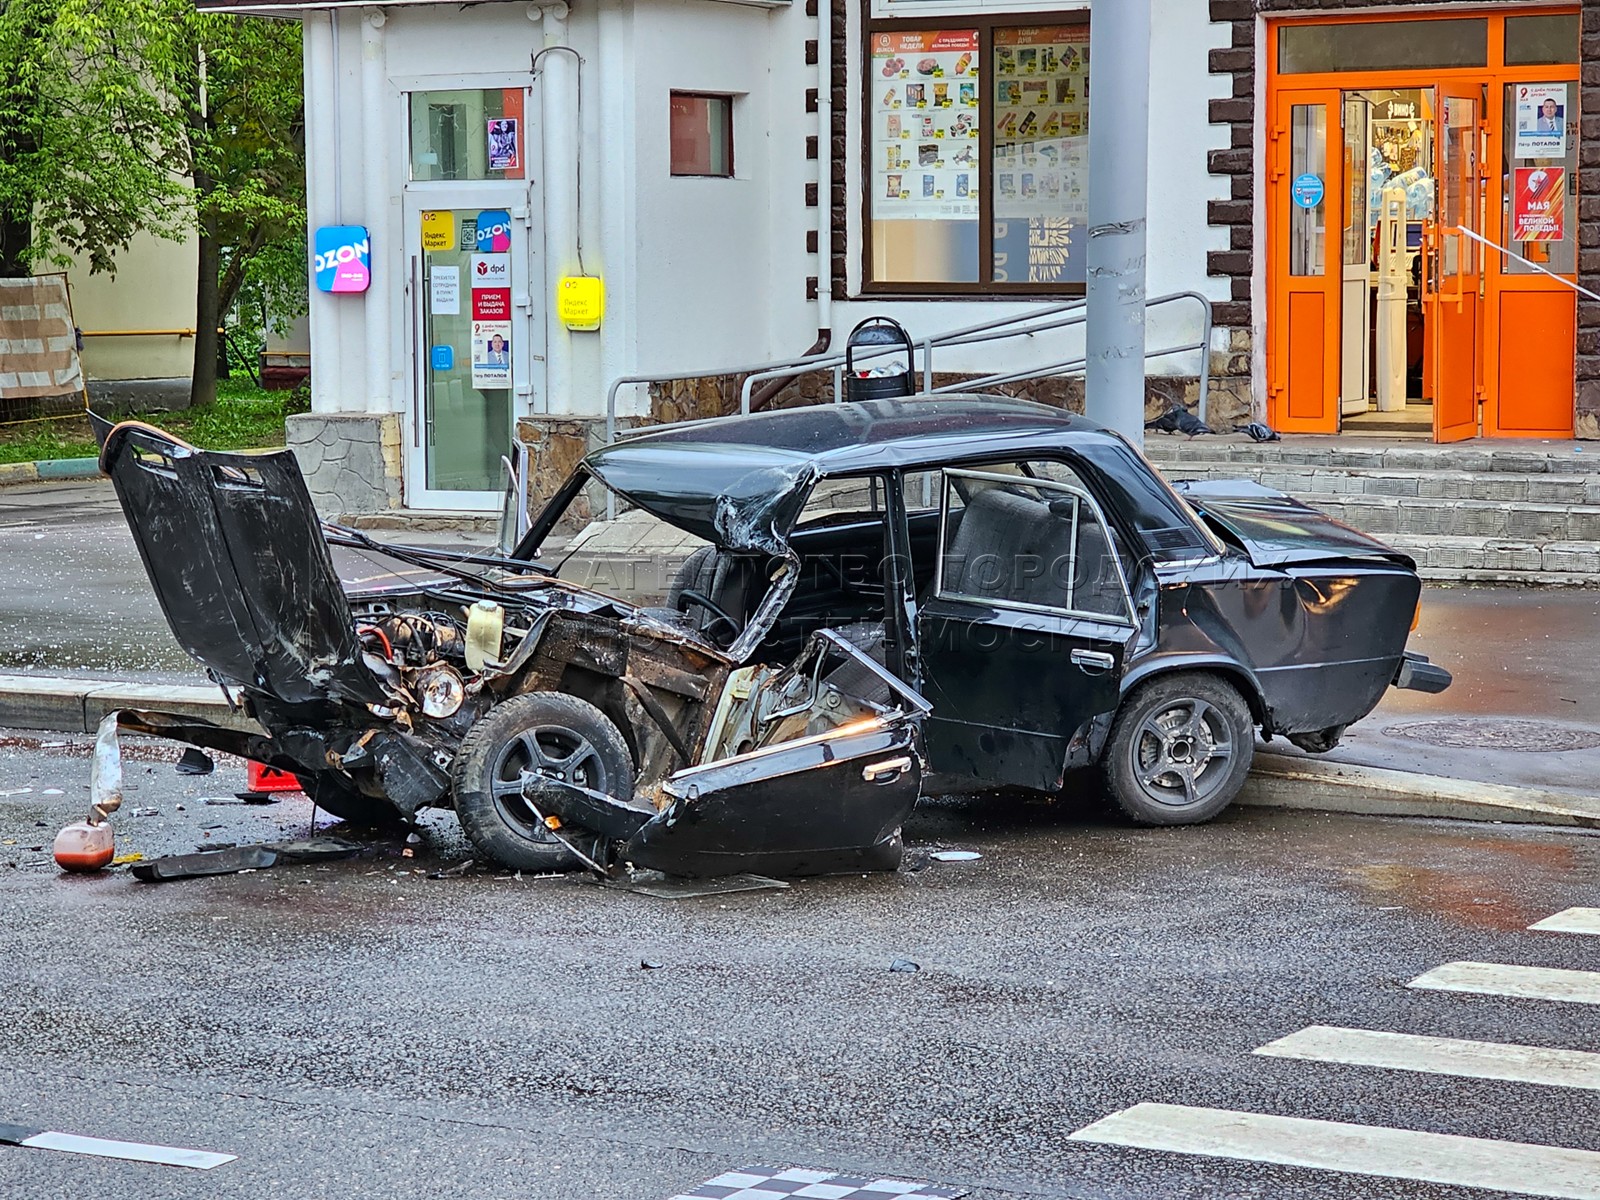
(741, 480)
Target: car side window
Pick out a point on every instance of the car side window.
(1018, 538)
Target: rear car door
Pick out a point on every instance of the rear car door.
(1025, 629)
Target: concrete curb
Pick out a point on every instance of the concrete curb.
(49, 469)
(1281, 781)
(66, 705)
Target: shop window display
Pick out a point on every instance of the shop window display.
(978, 157)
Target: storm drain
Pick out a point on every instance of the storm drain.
(780, 1183)
(1529, 737)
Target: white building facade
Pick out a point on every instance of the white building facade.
(747, 181)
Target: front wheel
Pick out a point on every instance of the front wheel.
(521, 748)
(1180, 750)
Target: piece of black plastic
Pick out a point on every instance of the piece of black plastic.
(195, 762)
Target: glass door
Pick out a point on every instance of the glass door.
(1453, 274)
(1305, 196)
(476, 340)
(1355, 370)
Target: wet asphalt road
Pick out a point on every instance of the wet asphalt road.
(357, 1028)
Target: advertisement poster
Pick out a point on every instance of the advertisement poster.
(490, 271)
(342, 258)
(491, 304)
(1539, 205)
(493, 231)
(1541, 120)
(503, 144)
(439, 230)
(1040, 124)
(444, 288)
(491, 354)
(924, 96)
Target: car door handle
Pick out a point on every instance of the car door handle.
(1093, 662)
(887, 771)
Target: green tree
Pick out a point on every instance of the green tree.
(239, 89)
(87, 130)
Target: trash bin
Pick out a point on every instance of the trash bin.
(886, 379)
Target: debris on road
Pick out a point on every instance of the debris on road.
(84, 846)
(243, 858)
(195, 762)
(76, 1143)
(955, 856)
(903, 966)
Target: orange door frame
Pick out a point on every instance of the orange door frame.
(1541, 321)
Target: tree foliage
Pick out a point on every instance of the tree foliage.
(87, 129)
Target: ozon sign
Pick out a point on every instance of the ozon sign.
(342, 258)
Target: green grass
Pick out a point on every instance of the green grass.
(243, 418)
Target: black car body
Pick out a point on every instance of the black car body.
(946, 593)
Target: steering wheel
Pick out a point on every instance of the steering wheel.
(689, 596)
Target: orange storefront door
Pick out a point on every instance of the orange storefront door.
(1453, 272)
(1304, 227)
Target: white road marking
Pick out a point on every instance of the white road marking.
(1356, 1149)
(1509, 979)
(1571, 920)
(172, 1156)
(1440, 1056)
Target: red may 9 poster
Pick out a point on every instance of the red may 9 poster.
(1539, 204)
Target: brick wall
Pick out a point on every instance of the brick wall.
(1238, 163)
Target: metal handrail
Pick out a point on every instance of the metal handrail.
(1025, 324)
(1478, 237)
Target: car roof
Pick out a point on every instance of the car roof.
(843, 439)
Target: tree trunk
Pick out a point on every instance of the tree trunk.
(15, 238)
(207, 316)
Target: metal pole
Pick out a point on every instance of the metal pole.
(1119, 168)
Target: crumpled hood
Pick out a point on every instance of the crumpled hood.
(1277, 530)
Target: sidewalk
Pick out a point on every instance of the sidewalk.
(1523, 712)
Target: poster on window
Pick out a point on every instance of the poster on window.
(1040, 130)
(924, 100)
(503, 144)
(1539, 204)
(491, 354)
(1541, 120)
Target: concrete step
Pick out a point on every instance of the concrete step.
(1306, 481)
(1387, 516)
(1558, 458)
(1502, 560)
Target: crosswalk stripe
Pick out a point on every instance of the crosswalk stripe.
(1571, 920)
(1440, 1056)
(1356, 1149)
(1508, 979)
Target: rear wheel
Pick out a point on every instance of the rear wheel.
(526, 747)
(1180, 750)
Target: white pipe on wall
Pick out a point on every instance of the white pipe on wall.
(318, 46)
(558, 73)
(824, 167)
(375, 201)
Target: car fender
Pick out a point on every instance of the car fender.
(1237, 673)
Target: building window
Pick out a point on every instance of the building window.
(978, 146)
(701, 134)
(1383, 46)
(475, 134)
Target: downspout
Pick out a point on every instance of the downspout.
(375, 144)
(767, 392)
(556, 66)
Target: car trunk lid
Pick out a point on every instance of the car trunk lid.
(1275, 529)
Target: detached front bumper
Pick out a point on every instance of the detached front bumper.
(1417, 674)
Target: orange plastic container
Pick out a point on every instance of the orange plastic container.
(84, 847)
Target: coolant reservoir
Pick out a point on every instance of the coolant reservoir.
(486, 622)
(84, 847)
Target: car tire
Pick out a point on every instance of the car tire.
(332, 795)
(1179, 750)
(571, 737)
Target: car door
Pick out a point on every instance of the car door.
(1025, 631)
(822, 804)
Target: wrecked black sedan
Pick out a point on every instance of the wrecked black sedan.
(864, 602)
